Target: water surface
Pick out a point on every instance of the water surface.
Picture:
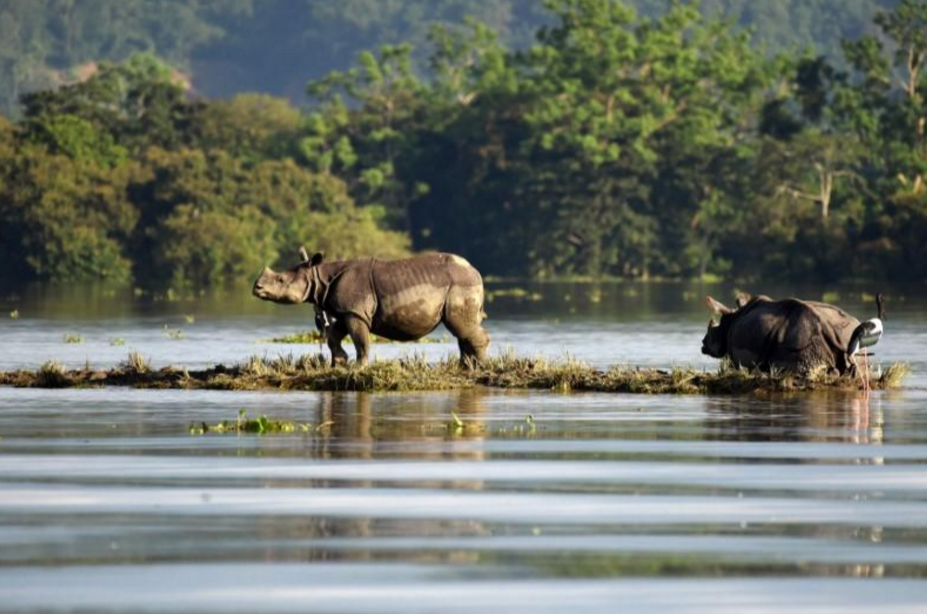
(787, 503)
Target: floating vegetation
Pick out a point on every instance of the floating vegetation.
(307, 337)
(262, 425)
(516, 293)
(831, 297)
(457, 427)
(310, 337)
(117, 342)
(312, 372)
(69, 338)
(14, 315)
(173, 333)
(189, 319)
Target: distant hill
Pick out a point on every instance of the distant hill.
(276, 46)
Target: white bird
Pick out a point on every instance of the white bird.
(865, 336)
(869, 332)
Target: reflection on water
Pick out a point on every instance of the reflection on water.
(827, 415)
(792, 503)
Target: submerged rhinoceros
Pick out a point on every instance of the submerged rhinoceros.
(788, 334)
(402, 300)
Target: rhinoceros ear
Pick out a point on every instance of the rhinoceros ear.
(317, 259)
(717, 307)
(742, 299)
(303, 254)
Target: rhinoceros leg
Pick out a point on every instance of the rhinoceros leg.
(334, 334)
(360, 335)
(463, 316)
(474, 346)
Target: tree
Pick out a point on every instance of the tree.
(251, 126)
(76, 138)
(63, 219)
(616, 96)
(811, 164)
(208, 218)
(137, 103)
(369, 139)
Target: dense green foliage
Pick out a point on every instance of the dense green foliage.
(628, 146)
(664, 143)
(119, 176)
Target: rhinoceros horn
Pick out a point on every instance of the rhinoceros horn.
(303, 254)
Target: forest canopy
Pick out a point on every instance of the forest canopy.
(275, 46)
(609, 138)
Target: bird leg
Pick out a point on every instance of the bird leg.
(866, 371)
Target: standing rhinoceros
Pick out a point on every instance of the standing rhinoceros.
(402, 300)
(788, 334)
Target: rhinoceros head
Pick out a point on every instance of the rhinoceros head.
(287, 286)
(714, 343)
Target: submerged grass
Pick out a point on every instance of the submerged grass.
(312, 372)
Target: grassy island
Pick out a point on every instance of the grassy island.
(312, 372)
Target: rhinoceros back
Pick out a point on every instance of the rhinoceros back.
(412, 294)
(791, 334)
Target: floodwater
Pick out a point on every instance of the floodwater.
(798, 503)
